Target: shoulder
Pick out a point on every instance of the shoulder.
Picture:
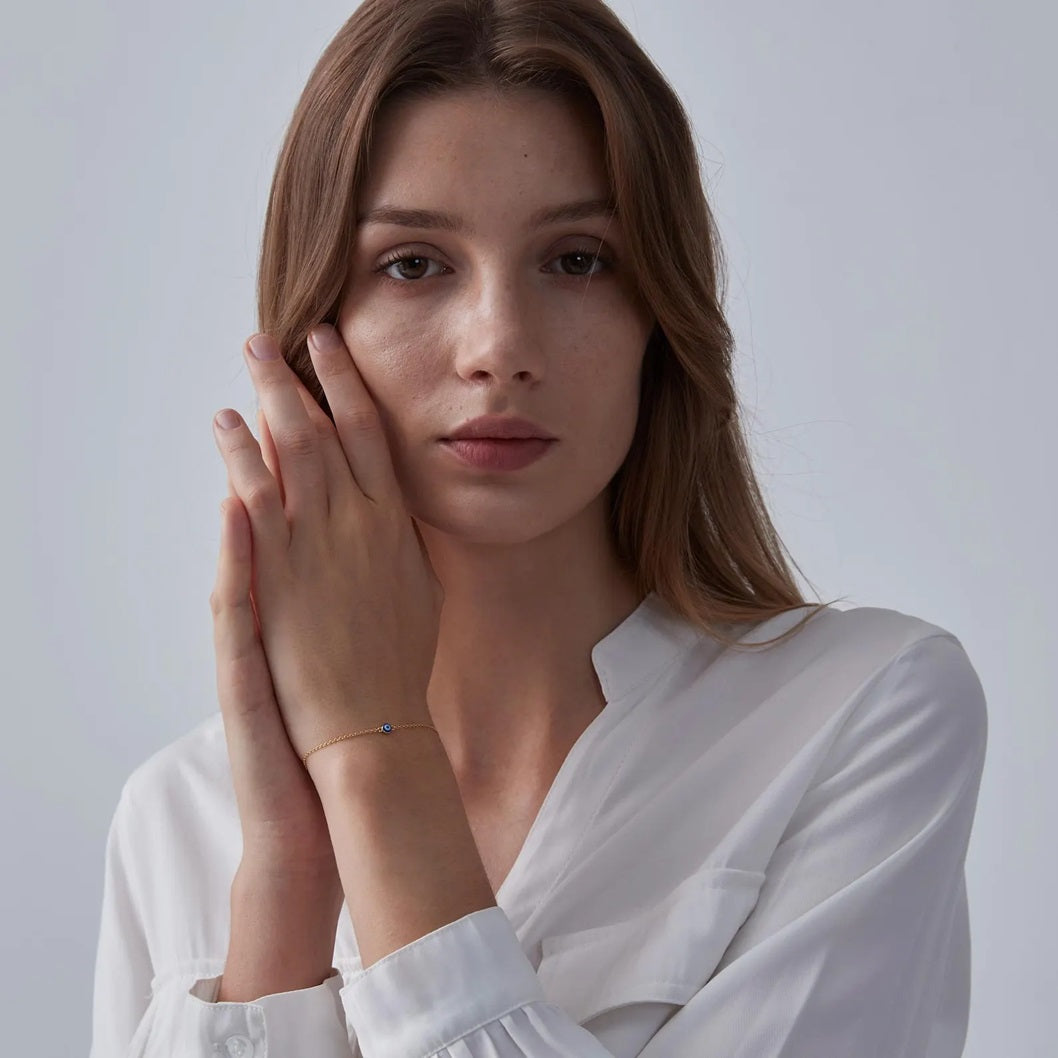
(858, 672)
(860, 642)
(190, 767)
(907, 682)
(864, 633)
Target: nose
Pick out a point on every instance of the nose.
(497, 330)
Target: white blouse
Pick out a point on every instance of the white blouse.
(744, 855)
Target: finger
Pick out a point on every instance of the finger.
(295, 437)
(257, 739)
(254, 486)
(232, 494)
(356, 416)
(234, 631)
(340, 481)
(268, 453)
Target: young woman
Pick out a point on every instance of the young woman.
(528, 743)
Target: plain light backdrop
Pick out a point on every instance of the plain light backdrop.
(884, 177)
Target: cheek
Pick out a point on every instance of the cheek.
(394, 379)
(616, 417)
(393, 355)
(599, 395)
(607, 358)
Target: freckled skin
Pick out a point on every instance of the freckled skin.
(497, 333)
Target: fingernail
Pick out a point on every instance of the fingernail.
(324, 337)
(227, 419)
(264, 348)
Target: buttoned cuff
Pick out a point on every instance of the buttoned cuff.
(303, 1021)
(421, 998)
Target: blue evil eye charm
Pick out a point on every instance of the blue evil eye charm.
(387, 728)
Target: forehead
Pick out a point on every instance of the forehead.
(471, 152)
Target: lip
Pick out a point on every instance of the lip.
(492, 453)
(499, 427)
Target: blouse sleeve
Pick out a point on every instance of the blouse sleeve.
(859, 942)
(121, 992)
(136, 1015)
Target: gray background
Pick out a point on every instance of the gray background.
(884, 177)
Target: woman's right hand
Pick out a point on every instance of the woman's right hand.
(285, 834)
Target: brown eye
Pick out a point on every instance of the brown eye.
(585, 259)
(415, 260)
(584, 263)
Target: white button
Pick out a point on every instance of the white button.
(239, 1047)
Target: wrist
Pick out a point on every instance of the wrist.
(266, 876)
(282, 934)
(367, 759)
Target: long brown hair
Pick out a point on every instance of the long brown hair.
(687, 516)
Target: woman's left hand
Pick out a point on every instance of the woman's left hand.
(347, 600)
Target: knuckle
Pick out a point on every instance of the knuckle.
(260, 496)
(302, 442)
(362, 420)
(269, 380)
(220, 603)
(297, 441)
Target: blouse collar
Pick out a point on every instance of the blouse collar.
(649, 638)
(653, 636)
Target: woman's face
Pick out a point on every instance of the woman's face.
(498, 315)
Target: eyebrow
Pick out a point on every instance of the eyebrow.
(439, 220)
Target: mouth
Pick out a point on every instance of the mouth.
(500, 428)
(498, 453)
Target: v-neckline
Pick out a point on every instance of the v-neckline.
(537, 829)
(560, 820)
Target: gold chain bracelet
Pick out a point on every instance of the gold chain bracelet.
(383, 729)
